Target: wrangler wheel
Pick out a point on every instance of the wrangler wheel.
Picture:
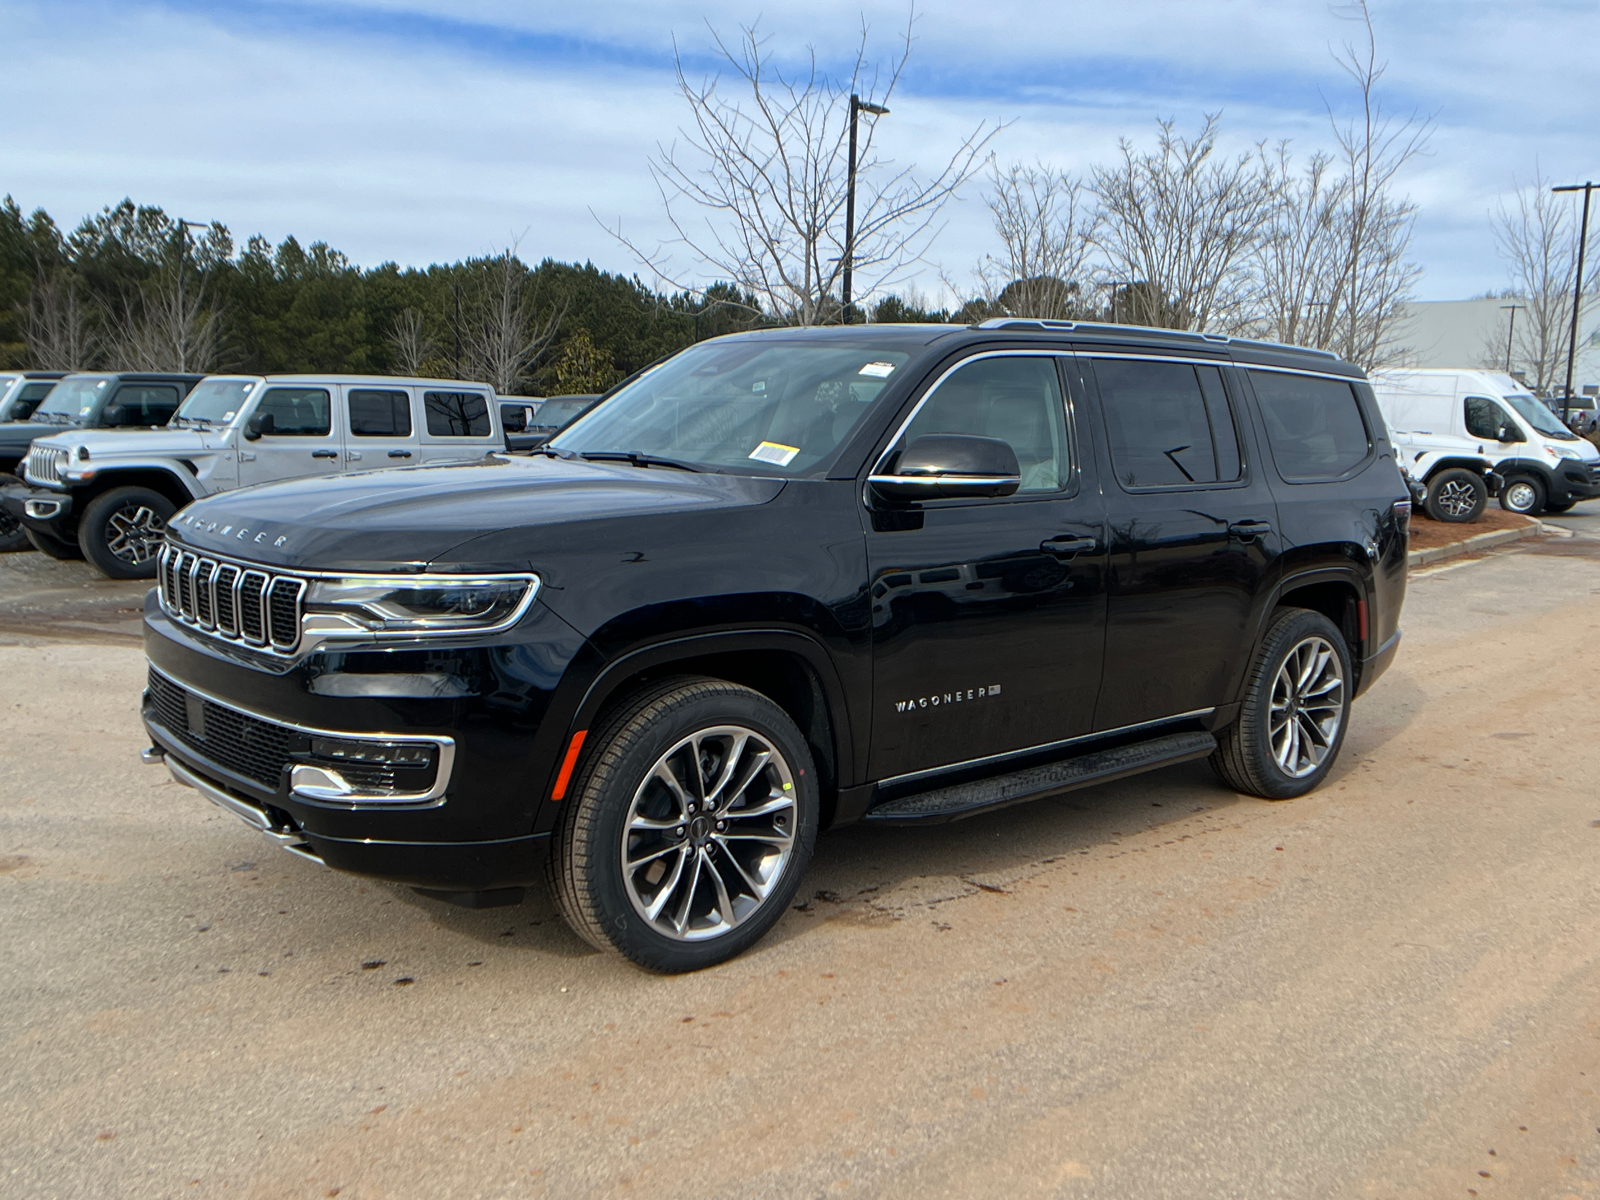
(122, 530)
(1456, 495)
(690, 823)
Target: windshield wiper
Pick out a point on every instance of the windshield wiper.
(183, 422)
(51, 418)
(636, 458)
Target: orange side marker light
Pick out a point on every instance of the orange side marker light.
(559, 792)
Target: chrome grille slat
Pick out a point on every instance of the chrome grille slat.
(239, 602)
(45, 464)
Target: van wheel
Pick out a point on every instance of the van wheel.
(690, 822)
(1523, 494)
(1296, 707)
(1456, 495)
(54, 547)
(122, 530)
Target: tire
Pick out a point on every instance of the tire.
(53, 546)
(620, 804)
(1254, 757)
(12, 536)
(121, 530)
(1523, 494)
(1456, 495)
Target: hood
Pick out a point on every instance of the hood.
(106, 443)
(416, 515)
(22, 434)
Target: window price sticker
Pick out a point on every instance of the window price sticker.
(877, 370)
(775, 453)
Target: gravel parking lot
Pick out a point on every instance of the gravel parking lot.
(1389, 988)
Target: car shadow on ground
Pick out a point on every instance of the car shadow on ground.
(886, 874)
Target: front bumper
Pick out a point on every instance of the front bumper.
(44, 510)
(1574, 480)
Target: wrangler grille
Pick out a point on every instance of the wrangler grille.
(45, 464)
(231, 600)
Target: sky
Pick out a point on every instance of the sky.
(425, 130)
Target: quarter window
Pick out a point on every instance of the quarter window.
(294, 412)
(1169, 423)
(1314, 425)
(1014, 398)
(457, 414)
(375, 413)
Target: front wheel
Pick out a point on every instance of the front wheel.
(691, 821)
(1523, 494)
(1456, 495)
(122, 530)
(1296, 706)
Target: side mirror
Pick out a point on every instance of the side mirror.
(1509, 433)
(113, 415)
(940, 466)
(257, 425)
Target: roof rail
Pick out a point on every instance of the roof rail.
(1218, 339)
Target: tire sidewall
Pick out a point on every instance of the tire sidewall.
(96, 517)
(606, 791)
(1288, 632)
(1511, 483)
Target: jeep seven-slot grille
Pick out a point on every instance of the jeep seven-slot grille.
(231, 600)
(45, 464)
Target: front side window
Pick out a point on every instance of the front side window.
(1485, 418)
(1314, 425)
(294, 412)
(457, 414)
(757, 406)
(379, 413)
(1169, 423)
(1013, 398)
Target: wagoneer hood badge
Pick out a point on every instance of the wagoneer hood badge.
(193, 523)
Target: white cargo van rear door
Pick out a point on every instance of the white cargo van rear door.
(456, 425)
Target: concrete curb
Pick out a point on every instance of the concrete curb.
(1483, 541)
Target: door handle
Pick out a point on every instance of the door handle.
(247, 456)
(353, 455)
(1066, 547)
(399, 454)
(1247, 531)
(324, 454)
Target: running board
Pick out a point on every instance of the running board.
(981, 795)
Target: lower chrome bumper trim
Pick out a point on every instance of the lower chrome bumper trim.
(290, 839)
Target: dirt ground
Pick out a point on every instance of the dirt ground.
(1389, 988)
(1428, 535)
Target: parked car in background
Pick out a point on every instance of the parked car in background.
(1546, 467)
(1454, 477)
(22, 391)
(516, 414)
(111, 494)
(1583, 412)
(784, 581)
(553, 415)
(125, 401)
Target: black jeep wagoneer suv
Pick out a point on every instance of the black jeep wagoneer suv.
(784, 581)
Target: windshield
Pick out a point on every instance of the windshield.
(1541, 418)
(214, 401)
(559, 412)
(757, 407)
(73, 399)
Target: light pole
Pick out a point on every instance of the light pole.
(1114, 285)
(857, 107)
(1511, 332)
(1577, 290)
(182, 332)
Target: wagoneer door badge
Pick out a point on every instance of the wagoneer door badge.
(959, 696)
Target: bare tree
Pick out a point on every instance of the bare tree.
(1374, 278)
(60, 325)
(508, 332)
(1046, 229)
(170, 324)
(1183, 221)
(1537, 238)
(409, 342)
(756, 190)
(1298, 259)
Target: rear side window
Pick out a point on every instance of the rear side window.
(457, 414)
(146, 404)
(379, 413)
(1314, 425)
(1169, 423)
(294, 412)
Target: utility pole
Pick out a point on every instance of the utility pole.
(857, 106)
(455, 285)
(181, 331)
(1512, 331)
(1114, 285)
(1577, 290)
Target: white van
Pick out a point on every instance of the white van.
(1545, 466)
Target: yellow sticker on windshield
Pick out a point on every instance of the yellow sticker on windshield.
(775, 453)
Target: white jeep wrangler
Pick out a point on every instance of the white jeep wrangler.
(1449, 476)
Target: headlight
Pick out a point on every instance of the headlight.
(1563, 452)
(364, 605)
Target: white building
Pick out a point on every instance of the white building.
(1474, 333)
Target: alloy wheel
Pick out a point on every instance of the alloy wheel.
(135, 533)
(1456, 498)
(1307, 707)
(709, 833)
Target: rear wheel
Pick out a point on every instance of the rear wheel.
(55, 547)
(122, 530)
(690, 823)
(1523, 494)
(1456, 495)
(1296, 706)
